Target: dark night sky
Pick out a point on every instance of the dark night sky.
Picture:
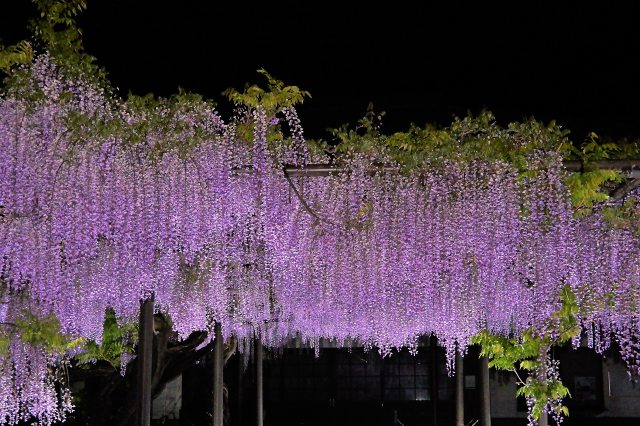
(573, 63)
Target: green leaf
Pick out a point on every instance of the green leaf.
(529, 365)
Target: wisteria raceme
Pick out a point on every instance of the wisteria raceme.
(28, 387)
(216, 232)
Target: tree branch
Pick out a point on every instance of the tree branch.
(624, 189)
(192, 342)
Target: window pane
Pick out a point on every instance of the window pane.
(407, 382)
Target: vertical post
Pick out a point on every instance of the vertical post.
(434, 379)
(238, 408)
(259, 384)
(218, 384)
(145, 363)
(544, 419)
(542, 375)
(459, 389)
(485, 393)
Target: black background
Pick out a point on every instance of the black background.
(567, 61)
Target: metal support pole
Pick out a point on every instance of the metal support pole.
(145, 363)
(485, 393)
(259, 384)
(630, 167)
(218, 384)
(459, 390)
(434, 379)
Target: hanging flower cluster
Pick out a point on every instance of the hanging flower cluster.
(174, 202)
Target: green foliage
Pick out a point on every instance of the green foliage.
(272, 99)
(164, 117)
(528, 353)
(56, 29)
(17, 54)
(116, 340)
(507, 353)
(55, 32)
(564, 324)
(591, 186)
(468, 139)
(5, 340)
(57, 14)
(588, 188)
(44, 332)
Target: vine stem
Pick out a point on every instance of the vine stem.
(520, 381)
(303, 202)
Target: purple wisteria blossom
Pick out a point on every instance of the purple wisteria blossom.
(386, 258)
